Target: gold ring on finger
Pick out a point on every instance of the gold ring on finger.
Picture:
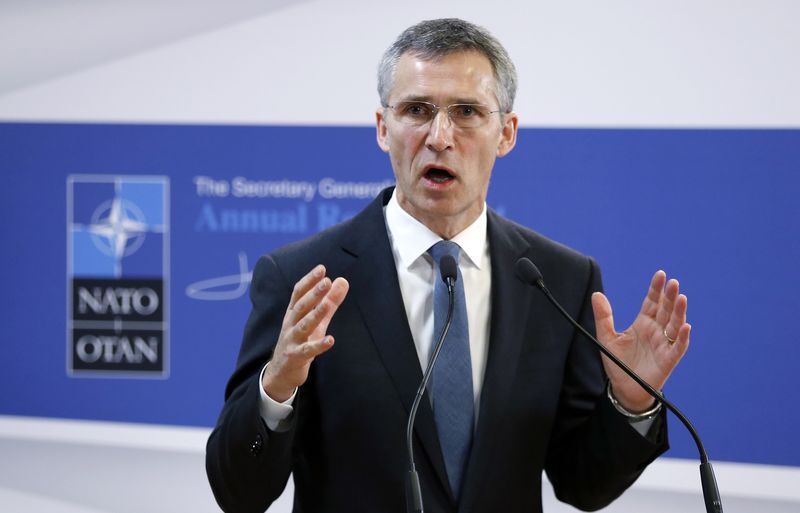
(670, 340)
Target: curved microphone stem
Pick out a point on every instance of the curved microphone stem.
(531, 274)
(658, 396)
(413, 490)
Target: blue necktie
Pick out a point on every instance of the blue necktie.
(451, 387)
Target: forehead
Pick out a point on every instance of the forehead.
(456, 77)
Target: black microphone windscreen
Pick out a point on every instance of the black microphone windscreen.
(527, 271)
(447, 266)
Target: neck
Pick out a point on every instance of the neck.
(444, 226)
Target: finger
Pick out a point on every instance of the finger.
(306, 283)
(651, 300)
(307, 302)
(681, 345)
(306, 351)
(333, 299)
(603, 317)
(325, 305)
(667, 303)
(682, 342)
(306, 325)
(677, 318)
(338, 291)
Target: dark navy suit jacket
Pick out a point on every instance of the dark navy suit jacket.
(542, 405)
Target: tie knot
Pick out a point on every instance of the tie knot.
(445, 247)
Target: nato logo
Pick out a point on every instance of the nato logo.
(117, 275)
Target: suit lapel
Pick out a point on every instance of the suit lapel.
(375, 288)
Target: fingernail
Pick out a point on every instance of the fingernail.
(318, 271)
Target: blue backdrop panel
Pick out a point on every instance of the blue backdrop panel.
(716, 208)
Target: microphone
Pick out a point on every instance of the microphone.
(449, 273)
(530, 274)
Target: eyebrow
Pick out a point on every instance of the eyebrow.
(417, 99)
(462, 100)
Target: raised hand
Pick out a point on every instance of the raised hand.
(652, 346)
(303, 337)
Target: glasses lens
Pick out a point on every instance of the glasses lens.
(415, 113)
(468, 115)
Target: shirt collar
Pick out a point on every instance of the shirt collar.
(412, 239)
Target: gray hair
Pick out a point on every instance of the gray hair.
(434, 39)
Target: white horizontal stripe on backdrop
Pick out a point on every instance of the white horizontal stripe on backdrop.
(581, 63)
(90, 464)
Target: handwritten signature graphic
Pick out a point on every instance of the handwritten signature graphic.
(235, 285)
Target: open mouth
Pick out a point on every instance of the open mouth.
(438, 175)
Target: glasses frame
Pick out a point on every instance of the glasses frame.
(436, 109)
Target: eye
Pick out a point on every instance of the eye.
(466, 111)
(416, 109)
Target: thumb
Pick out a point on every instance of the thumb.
(603, 317)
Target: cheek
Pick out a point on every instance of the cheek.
(404, 148)
(485, 162)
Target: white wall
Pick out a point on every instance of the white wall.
(581, 62)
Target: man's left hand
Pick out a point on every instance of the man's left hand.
(652, 346)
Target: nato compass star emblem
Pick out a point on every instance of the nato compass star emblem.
(118, 228)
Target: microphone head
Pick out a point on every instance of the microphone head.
(528, 272)
(448, 268)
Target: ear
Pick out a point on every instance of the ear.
(508, 136)
(381, 130)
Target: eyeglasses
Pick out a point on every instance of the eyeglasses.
(462, 115)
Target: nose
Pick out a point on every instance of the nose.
(440, 132)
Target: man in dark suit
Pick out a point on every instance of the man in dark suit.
(543, 399)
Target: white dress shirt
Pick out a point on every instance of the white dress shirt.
(410, 241)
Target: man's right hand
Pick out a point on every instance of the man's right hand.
(303, 334)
